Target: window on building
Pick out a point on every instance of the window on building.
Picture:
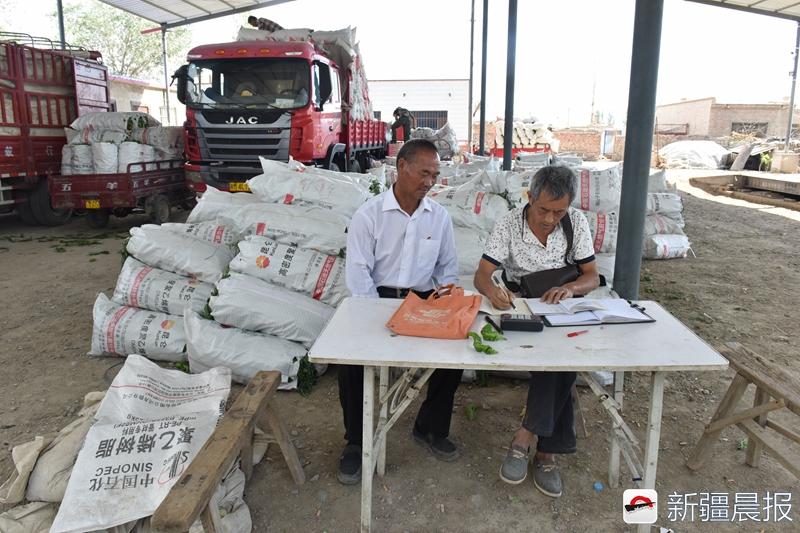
(112, 106)
(173, 115)
(137, 106)
(376, 115)
(750, 128)
(430, 119)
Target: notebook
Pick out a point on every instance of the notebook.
(614, 311)
(567, 306)
(520, 304)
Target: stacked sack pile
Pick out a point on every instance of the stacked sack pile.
(108, 143)
(444, 138)
(339, 45)
(248, 282)
(525, 135)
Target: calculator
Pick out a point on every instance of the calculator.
(521, 322)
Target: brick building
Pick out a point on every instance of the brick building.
(705, 118)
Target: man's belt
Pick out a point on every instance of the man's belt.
(396, 292)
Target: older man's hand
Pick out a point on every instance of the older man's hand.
(556, 294)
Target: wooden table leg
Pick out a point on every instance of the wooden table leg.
(726, 407)
(613, 460)
(281, 436)
(383, 418)
(754, 447)
(653, 435)
(367, 466)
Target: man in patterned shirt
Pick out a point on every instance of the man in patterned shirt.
(263, 24)
(531, 239)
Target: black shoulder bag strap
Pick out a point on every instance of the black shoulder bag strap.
(566, 225)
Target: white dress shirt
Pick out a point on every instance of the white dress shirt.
(387, 247)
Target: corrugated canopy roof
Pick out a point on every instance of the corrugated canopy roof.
(787, 9)
(173, 13)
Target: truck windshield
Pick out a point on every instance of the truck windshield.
(253, 83)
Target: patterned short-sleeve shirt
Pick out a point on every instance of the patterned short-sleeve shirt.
(513, 246)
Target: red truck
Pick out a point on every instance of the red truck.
(276, 100)
(42, 90)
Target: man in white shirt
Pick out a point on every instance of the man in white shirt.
(401, 241)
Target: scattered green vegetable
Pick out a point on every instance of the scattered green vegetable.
(479, 346)
(490, 334)
(471, 411)
(306, 376)
(182, 366)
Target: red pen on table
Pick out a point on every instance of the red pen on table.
(576, 333)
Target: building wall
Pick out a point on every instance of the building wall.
(586, 143)
(125, 92)
(695, 113)
(423, 95)
(724, 115)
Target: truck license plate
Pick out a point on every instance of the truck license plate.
(91, 204)
(238, 186)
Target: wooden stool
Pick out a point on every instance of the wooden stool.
(770, 383)
(189, 498)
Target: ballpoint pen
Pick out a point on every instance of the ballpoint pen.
(498, 282)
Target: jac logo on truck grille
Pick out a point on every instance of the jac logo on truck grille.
(242, 120)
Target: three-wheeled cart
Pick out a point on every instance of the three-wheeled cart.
(153, 189)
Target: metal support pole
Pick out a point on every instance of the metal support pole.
(166, 73)
(791, 94)
(638, 144)
(471, 71)
(61, 34)
(485, 44)
(511, 59)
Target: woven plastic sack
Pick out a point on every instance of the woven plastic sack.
(161, 137)
(82, 162)
(604, 228)
(182, 254)
(470, 207)
(666, 246)
(664, 203)
(599, 186)
(245, 353)
(656, 224)
(105, 157)
(308, 227)
(215, 203)
(117, 121)
(309, 272)
(470, 244)
(212, 231)
(67, 155)
(281, 183)
(130, 152)
(121, 330)
(139, 285)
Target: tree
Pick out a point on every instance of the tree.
(117, 35)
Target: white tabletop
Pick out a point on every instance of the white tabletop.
(357, 335)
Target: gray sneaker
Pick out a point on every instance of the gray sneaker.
(546, 477)
(514, 469)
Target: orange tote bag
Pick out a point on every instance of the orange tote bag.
(446, 314)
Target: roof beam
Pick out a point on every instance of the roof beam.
(747, 9)
(224, 13)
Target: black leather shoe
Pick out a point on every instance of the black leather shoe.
(350, 465)
(440, 447)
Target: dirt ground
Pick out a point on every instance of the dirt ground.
(740, 287)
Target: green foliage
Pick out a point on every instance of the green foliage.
(306, 376)
(117, 35)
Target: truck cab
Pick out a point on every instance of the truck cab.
(271, 99)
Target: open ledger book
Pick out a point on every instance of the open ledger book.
(584, 311)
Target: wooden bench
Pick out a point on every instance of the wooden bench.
(189, 497)
(774, 390)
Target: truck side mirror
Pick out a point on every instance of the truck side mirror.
(325, 85)
(182, 75)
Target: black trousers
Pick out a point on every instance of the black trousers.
(434, 413)
(549, 412)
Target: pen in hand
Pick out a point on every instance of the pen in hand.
(500, 285)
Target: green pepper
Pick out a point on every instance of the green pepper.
(490, 334)
(479, 345)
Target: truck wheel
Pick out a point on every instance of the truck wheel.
(98, 218)
(26, 213)
(157, 208)
(43, 211)
(354, 167)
